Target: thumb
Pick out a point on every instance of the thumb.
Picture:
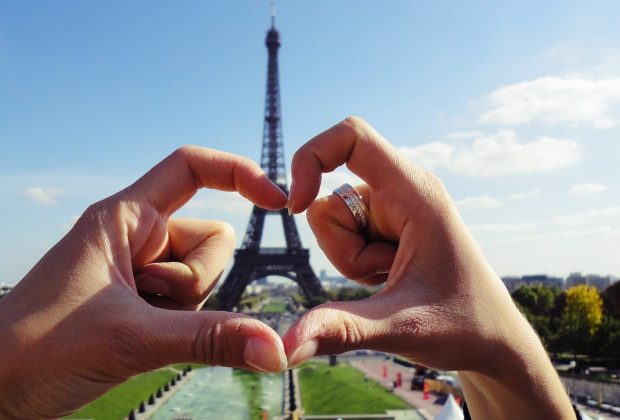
(213, 338)
(336, 327)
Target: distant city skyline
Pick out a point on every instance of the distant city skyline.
(516, 107)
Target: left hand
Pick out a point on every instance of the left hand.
(442, 305)
(76, 325)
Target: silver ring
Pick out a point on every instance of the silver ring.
(355, 203)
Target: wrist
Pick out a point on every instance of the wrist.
(520, 381)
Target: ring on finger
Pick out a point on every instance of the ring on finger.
(355, 203)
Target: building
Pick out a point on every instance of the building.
(595, 280)
(575, 279)
(543, 280)
(599, 282)
(512, 283)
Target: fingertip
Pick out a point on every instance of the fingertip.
(294, 337)
(290, 202)
(302, 353)
(304, 197)
(273, 198)
(305, 167)
(264, 355)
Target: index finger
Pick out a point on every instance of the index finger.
(173, 181)
(352, 141)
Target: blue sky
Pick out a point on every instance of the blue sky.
(515, 106)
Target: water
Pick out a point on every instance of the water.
(223, 393)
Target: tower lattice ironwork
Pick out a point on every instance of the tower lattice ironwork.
(252, 261)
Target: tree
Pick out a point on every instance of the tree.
(537, 303)
(350, 293)
(606, 341)
(611, 300)
(581, 318)
(538, 299)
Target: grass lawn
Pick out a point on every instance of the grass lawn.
(275, 306)
(117, 402)
(342, 390)
(252, 388)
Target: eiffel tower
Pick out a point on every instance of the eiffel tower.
(252, 261)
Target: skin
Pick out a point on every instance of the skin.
(76, 325)
(442, 305)
(115, 296)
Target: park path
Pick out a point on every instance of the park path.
(151, 409)
(373, 367)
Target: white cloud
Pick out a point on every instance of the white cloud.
(486, 201)
(479, 202)
(501, 153)
(584, 216)
(556, 100)
(429, 155)
(502, 227)
(599, 231)
(465, 134)
(586, 189)
(40, 195)
(522, 196)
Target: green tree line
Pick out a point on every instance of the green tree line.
(579, 320)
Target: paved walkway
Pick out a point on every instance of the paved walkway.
(373, 367)
(151, 409)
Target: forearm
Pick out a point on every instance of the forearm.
(523, 385)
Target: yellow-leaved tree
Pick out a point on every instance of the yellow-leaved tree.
(582, 316)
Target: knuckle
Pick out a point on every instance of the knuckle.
(433, 188)
(351, 333)
(296, 156)
(355, 123)
(341, 331)
(227, 232)
(205, 342)
(433, 181)
(95, 212)
(113, 212)
(211, 344)
(183, 151)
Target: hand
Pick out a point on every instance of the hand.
(442, 305)
(76, 325)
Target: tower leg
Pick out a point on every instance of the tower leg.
(310, 285)
(232, 289)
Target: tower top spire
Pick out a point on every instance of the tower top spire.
(273, 36)
(253, 261)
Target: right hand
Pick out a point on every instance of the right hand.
(115, 297)
(442, 305)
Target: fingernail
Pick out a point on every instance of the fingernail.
(290, 198)
(153, 285)
(262, 355)
(303, 353)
